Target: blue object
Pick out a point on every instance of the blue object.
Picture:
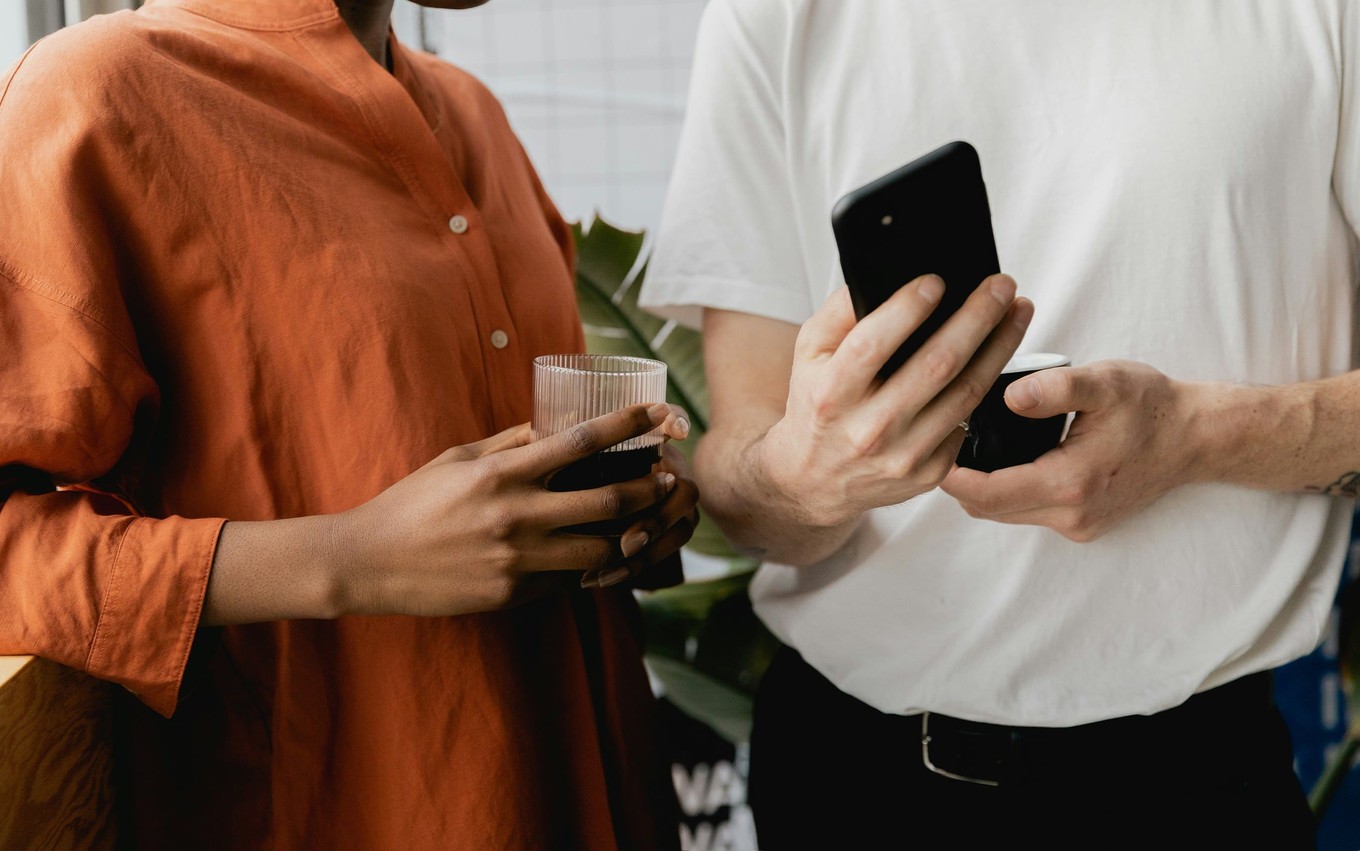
(1309, 694)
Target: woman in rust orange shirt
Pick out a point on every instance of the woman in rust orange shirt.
(260, 268)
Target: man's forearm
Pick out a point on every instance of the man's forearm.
(756, 515)
(1297, 437)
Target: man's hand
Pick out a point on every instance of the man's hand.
(849, 442)
(1130, 442)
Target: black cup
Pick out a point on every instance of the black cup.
(997, 436)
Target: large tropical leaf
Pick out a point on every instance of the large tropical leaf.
(709, 650)
(610, 272)
(726, 711)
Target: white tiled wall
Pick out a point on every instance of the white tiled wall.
(13, 33)
(595, 88)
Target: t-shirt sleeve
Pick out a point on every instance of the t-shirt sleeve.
(1346, 169)
(728, 236)
(86, 579)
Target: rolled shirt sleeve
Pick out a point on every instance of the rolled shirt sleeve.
(85, 579)
(730, 236)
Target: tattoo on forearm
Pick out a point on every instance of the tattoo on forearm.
(1347, 485)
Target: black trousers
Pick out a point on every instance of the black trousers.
(831, 772)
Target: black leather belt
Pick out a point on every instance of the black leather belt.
(997, 755)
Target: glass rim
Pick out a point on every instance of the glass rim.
(1032, 361)
(587, 361)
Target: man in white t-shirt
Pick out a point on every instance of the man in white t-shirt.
(1086, 640)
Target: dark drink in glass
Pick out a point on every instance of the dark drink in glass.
(605, 468)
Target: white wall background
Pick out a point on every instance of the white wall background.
(595, 89)
(13, 32)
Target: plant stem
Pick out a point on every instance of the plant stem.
(1337, 769)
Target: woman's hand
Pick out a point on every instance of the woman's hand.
(652, 545)
(476, 529)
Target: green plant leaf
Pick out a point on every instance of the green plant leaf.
(608, 269)
(725, 710)
(709, 650)
(711, 626)
(692, 601)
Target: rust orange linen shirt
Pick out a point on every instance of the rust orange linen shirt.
(232, 285)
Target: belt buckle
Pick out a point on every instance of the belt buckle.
(925, 758)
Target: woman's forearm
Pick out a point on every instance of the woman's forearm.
(275, 570)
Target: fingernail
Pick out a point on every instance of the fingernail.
(1003, 290)
(613, 576)
(1023, 395)
(931, 289)
(682, 426)
(667, 481)
(632, 543)
(1024, 312)
(659, 412)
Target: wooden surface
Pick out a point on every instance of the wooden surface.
(55, 787)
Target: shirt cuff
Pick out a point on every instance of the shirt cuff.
(152, 606)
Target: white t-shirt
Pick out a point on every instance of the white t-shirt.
(1171, 182)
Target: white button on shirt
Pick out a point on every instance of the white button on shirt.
(458, 224)
(500, 339)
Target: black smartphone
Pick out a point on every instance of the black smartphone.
(929, 216)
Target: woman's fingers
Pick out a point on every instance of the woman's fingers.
(680, 506)
(557, 509)
(676, 425)
(563, 550)
(674, 538)
(541, 458)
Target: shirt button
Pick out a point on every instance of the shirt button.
(458, 224)
(500, 339)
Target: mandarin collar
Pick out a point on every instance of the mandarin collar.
(259, 14)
